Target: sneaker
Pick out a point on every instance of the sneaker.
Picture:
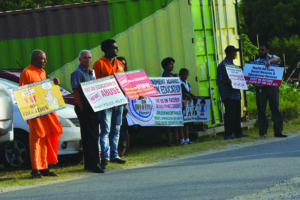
(118, 160)
(229, 137)
(242, 135)
(183, 143)
(104, 163)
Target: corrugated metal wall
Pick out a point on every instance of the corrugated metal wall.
(215, 26)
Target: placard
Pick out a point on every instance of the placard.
(259, 74)
(164, 109)
(39, 98)
(103, 93)
(197, 110)
(135, 83)
(236, 76)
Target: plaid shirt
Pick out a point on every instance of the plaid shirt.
(226, 91)
(261, 61)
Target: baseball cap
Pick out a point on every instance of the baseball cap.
(230, 49)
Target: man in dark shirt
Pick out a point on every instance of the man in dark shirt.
(230, 97)
(88, 119)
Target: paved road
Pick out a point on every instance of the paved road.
(240, 170)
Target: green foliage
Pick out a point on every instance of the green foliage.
(289, 103)
(6, 5)
(249, 50)
(288, 46)
(274, 21)
(270, 18)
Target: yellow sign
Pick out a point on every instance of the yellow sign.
(39, 98)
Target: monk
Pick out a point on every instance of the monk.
(44, 131)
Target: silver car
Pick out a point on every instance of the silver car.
(16, 154)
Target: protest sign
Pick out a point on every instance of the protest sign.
(259, 74)
(197, 110)
(39, 98)
(164, 109)
(135, 83)
(103, 93)
(236, 76)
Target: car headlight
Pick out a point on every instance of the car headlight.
(64, 122)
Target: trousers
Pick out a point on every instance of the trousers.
(232, 117)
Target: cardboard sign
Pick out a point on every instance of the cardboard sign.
(39, 98)
(103, 93)
(197, 110)
(236, 76)
(164, 109)
(259, 74)
(135, 83)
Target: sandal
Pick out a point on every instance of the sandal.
(47, 172)
(36, 174)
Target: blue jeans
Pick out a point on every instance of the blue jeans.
(110, 123)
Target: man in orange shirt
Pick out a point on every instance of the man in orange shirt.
(44, 131)
(110, 119)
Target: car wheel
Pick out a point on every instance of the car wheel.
(16, 154)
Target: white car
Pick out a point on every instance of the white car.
(17, 155)
(6, 117)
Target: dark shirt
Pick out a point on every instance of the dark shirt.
(78, 76)
(226, 91)
(167, 74)
(123, 129)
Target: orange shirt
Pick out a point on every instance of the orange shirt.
(103, 67)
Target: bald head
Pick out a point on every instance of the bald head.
(38, 59)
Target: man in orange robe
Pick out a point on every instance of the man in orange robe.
(44, 131)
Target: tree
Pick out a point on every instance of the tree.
(6, 5)
(249, 50)
(274, 21)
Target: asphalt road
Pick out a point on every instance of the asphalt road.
(238, 170)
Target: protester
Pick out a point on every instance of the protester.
(168, 66)
(123, 60)
(88, 119)
(230, 97)
(268, 93)
(186, 94)
(44, 131)
(124, 135)
(110, 119)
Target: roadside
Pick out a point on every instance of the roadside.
(140, 157)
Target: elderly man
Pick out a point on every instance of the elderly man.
(110, 119)
(268, 93)
(88, 119)
(230, 97)
(44, 131)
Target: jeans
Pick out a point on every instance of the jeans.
(110, 123)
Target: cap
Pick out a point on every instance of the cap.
(230, 49)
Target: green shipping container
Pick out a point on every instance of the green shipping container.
(193, 32)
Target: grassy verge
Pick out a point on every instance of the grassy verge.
(137, 156)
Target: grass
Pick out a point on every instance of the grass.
(137, 156)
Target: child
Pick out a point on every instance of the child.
(186, 94)
(124, 136)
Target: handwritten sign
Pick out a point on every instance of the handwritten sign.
(164, 109)
(236, 76)
(259, 74)
(197, 110)
(103, 93)
(39, 98)
(135, 83)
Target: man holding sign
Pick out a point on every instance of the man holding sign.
(44, 131)
(111, 118)
(88, 119)
(230, 97)
(271, 93)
